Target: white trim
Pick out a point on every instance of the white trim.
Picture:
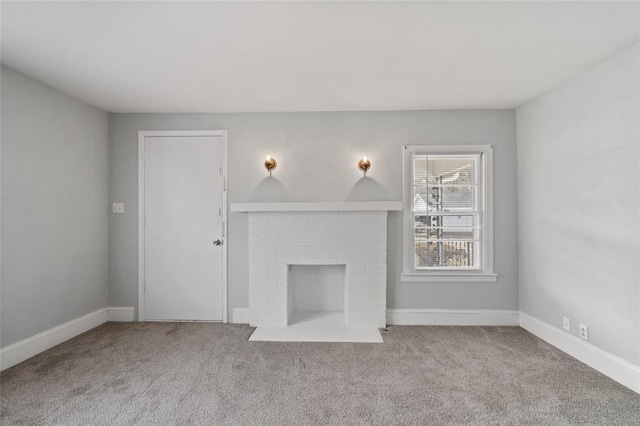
(32, 346)
(121, 314)
(141, 213)
(444, 277)
(608, 364)
(487, 198)
(486, 317)
(241, 315)
(141, 216)
(317, 206)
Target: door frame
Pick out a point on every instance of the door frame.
(142, 135)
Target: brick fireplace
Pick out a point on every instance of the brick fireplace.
(282, 235)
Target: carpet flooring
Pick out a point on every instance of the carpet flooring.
(209, 374)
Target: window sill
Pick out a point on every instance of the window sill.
(458, 277)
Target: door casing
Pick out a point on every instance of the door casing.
(142, 135)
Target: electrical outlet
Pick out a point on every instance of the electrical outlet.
(584, 332)
(566, 324)
(118, 208)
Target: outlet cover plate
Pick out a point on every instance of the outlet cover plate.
(566, 324)
(584, 332)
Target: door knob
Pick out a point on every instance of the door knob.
(217, 242)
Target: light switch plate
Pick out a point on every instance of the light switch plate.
(118, 208)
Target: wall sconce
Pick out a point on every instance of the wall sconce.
(364, 164)
(270, 164)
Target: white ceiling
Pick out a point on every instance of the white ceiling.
(304, 56)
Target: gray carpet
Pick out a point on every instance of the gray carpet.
(198, 373)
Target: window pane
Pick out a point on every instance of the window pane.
(445, 254)
(446, 241)
(448, 209)
(445, 183)
(452, 227)
(452, 170)
(445, 199)
(457, 198)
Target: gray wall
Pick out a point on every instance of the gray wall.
(578, 191)
(317, 155)
(54, 208)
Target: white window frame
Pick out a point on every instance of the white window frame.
(485, 273)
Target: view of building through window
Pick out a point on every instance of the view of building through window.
(447, 207)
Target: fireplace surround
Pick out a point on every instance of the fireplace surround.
(284, 235)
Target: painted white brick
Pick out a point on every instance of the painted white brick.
(355, 239)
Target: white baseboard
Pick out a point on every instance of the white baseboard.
(32, 346)
(610, 365)
(452, 317)
(121, 314)
(240, 315)
(429, 317)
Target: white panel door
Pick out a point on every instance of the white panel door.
(183, 220)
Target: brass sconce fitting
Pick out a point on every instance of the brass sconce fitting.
(364, 164)
(270, 164)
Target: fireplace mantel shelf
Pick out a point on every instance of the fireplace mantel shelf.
(317, 206)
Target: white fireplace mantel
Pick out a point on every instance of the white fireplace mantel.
(329, 206)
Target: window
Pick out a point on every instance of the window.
(448, 220)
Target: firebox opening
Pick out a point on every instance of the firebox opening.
(318, 293)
